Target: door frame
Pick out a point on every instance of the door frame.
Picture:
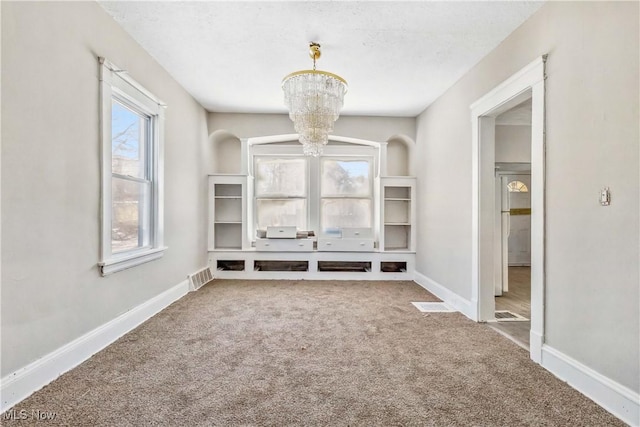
(526, 83)
(500, 263)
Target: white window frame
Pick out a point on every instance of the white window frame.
(285, 148)
(116, 84)
(255, 197)
(347, 157)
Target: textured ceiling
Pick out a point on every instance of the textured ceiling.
(397, 57)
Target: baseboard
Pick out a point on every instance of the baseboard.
(536, 341)
(452, 299)
(21, 384)
(612, 396)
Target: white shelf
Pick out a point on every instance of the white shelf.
(397, 191)
(226, 212)
(398, 214)
(397, 211)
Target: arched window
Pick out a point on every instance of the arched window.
(517, 187)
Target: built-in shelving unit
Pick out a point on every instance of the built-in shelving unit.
(398, 214)
(386, 251)
(227, 212)
(318, 265)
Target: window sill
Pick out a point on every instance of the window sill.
(123, 262)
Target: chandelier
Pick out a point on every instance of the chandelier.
(314, 99)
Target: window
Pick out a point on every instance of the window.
(130, 178)
(132, 134)
(281, 192)
(323, 194)
(347, 196)
(517, 187)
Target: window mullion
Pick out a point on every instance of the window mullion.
(130, 178)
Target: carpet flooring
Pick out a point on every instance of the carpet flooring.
(310, 353)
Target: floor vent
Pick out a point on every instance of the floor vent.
(509, 316)
(200, 278)
(433, 307)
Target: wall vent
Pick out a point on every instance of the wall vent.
(509, 316)
(200, 278)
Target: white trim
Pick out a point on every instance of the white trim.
(526, 83)
(621, 401)
(114, 265)
(536, 341)
(449, 297)
(135, 85)
(371, 151)
(530, 73)
(250, 256)
(271, 139)
(116, 83)
(20, 384)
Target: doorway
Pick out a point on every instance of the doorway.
(513, 250)
(528, 83)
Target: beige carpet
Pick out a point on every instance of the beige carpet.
(311, 353)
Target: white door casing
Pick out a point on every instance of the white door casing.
(526, 83)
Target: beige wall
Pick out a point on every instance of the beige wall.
(253, 125)
(592, 136)
(363, 127)
(51, 290)
(513, 143)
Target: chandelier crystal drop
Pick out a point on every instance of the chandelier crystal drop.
(314, 99)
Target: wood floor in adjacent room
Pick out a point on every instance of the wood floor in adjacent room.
(517, 300)
(310, 353)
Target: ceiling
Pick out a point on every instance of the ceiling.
(397, 57)
(520, 115)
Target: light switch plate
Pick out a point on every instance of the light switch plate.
(605, 196)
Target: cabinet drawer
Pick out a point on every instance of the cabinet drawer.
(287, 232)
(284, 245)
(357, 233)
(345, 245)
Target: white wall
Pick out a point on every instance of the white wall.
(52, 292)
(513, 143)
(592, 133)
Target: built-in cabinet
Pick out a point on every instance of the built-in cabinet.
(397, 232)
(387, 251)
(227, 212)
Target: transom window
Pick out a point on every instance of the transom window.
(517, 187)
